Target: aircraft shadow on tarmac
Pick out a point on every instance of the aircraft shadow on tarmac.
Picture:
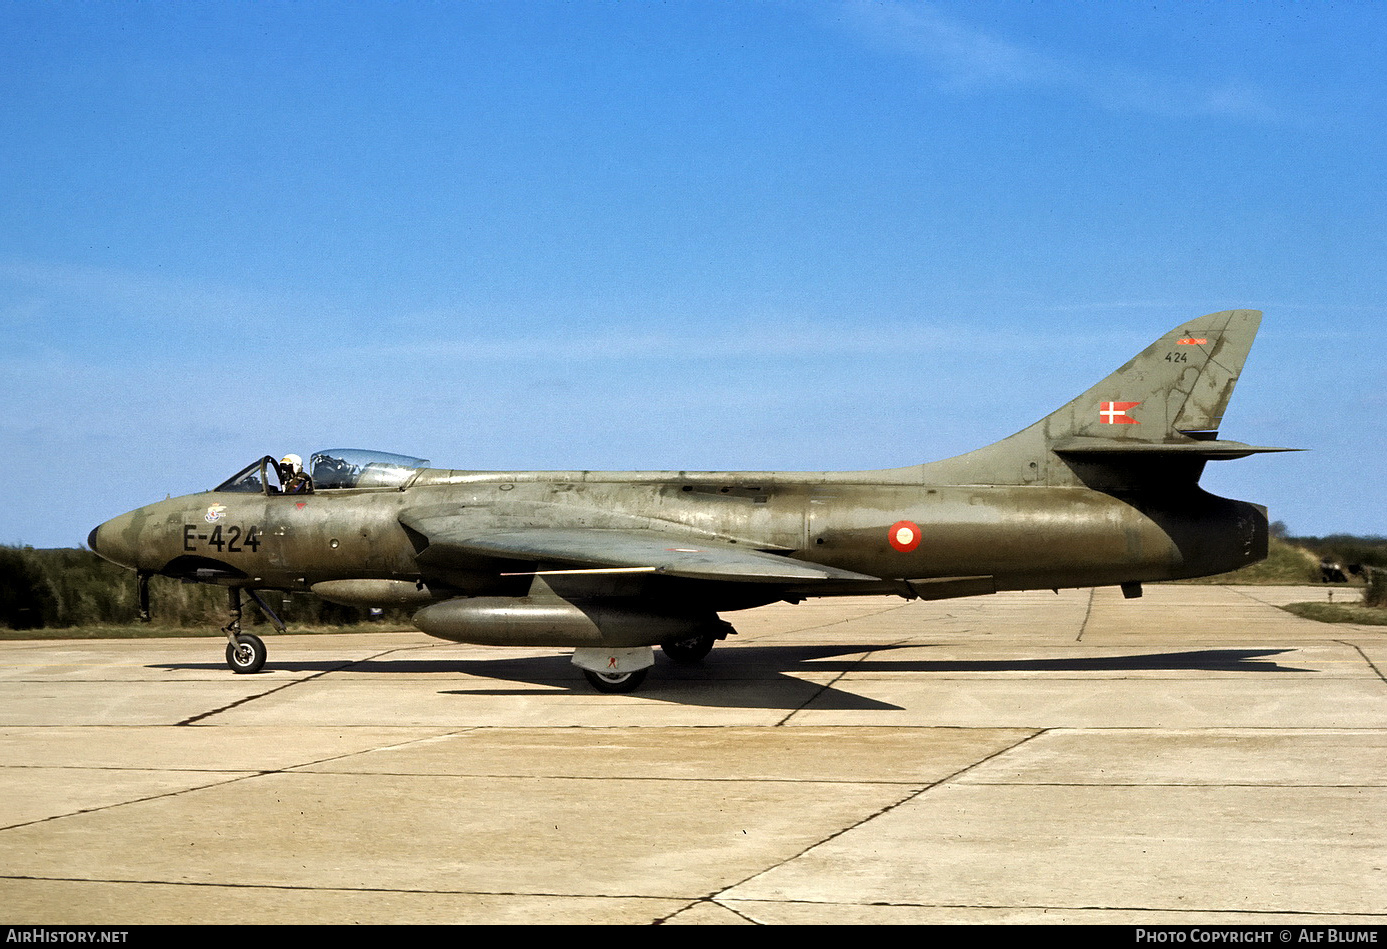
(763, 676)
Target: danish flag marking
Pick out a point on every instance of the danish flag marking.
(1115, 413)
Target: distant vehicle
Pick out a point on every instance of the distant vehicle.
(1103, 491)
(1333, 572)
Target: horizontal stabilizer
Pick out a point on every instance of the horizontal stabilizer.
(1211, 450)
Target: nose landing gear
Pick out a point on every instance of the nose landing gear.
(246, 652)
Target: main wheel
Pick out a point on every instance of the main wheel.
(247, 654)
(623, 682)
(693, 649)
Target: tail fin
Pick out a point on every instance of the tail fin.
(1156, 417)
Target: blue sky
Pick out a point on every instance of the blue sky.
(701, 235)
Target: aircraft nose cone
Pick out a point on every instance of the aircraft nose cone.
(106, 541)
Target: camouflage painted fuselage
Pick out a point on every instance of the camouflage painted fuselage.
(1104, 491)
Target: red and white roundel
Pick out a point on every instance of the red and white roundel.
(904, 536)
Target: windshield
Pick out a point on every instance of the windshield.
(355, 468)
(250, 479)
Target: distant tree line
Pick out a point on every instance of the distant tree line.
(1345, 556)
(67, 587)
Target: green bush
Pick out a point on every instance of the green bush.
(1376, 592)
(27, 600)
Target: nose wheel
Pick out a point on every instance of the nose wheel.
(246, 653)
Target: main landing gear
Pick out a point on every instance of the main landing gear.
(615, 682)
(614, 670)
(691, 651)
(623, 670)
(246, 652)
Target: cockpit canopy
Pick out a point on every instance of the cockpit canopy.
(355, 468)
(328, 470)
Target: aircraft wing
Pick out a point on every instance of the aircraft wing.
(562, 550)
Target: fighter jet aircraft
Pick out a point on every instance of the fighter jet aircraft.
(1103, 491)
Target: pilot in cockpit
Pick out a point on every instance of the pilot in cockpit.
(292, 478)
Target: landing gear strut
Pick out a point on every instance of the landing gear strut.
(142, 594)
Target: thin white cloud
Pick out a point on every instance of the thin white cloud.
(961, 55)
(971, 59)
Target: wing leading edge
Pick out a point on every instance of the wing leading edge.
(562, 550)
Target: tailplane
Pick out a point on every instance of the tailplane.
(1154, 420)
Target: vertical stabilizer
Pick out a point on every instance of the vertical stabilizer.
(1161, 411)
(1178, 386)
